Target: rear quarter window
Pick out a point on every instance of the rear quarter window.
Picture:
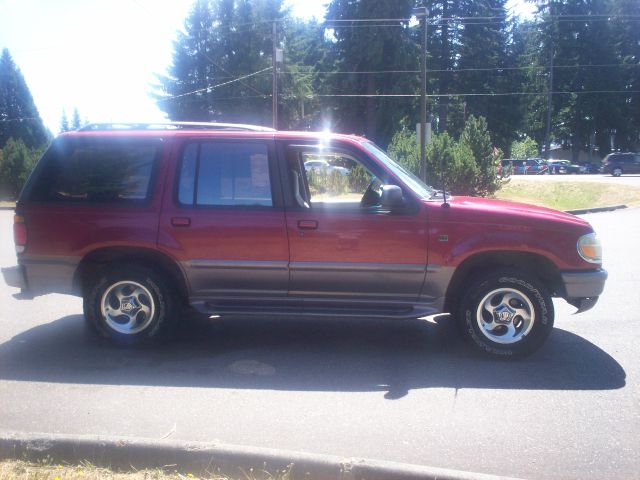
(110, 170)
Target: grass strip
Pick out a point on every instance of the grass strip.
(21, 470)
(569, 195)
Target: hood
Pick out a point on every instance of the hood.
(483, 210)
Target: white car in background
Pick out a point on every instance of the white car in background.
(322, 166)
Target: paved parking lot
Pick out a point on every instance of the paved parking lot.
(405, 391)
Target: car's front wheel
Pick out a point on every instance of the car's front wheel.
(129, 305)
(616, 172)
(506, 314)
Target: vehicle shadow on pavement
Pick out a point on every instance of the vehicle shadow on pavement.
(303, 355)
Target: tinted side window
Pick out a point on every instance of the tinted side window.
(225, 173)
(97, 171)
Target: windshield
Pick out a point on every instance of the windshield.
(412, 181)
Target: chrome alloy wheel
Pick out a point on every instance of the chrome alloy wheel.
(505, 315)
(127, 307)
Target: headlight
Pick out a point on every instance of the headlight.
(590, 248)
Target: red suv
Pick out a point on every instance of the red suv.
(143, 219)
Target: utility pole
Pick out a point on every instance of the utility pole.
(547, 134)
(421, 13)
(274, 68)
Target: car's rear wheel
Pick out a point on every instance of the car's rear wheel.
(616, 172)
(506, 314)
(129, 305)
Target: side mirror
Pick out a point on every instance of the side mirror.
(392, 196)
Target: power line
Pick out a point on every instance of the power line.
(455, 70)
(212, 87)
(413, 95)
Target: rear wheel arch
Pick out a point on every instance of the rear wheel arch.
(103, 258)
(534, 265)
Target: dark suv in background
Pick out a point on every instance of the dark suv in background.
(618, 163)
(227, 219)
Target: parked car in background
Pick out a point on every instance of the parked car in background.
(618, 163)
(589, 168)
(565, 167)
(557, 166)
(530, 166)
(220, 217)
(324, 167)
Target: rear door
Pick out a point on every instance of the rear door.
(223, 219)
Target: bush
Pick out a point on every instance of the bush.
(460, 170)
(405, 150)
(525, 148)
(333, 183)
(470, 165)
(358, 179)
(475, 136)
(337, 183)
(16, 163)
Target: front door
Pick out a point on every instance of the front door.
(342, 243)
(223, 218)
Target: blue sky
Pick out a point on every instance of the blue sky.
(101, 56)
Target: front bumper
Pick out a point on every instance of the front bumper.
(582, 289)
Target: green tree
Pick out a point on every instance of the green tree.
(584, 48)
(405, 150)
(451, 162)
(469, 165)
(223, 41)
(305, 52)
(76, 123)
(476, 137)
(19, 117)
(17, 161)
(484, 62)
(64, 122)
(359, 49)
(525, 148)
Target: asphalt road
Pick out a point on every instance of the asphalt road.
(401, 391)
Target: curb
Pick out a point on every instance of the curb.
(582, 211)
(199, 457)
(7, 208)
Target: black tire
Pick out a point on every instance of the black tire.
(514, 289)
(616, 172)
(155, 296)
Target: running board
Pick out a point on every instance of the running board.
(313, 309)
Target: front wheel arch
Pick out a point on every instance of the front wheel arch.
(506, 313)
(537, 266)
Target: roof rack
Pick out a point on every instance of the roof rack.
(175, 126)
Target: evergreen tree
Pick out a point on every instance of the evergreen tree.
(76, 123)
(306, 54)
(580, 39)
(224, 40)
(383, 46)
(476, 137)
(483, 62)
(19, 117)
(17, 161)
(64, 122)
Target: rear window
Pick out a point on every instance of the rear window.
(96, 171)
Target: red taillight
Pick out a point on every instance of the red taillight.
(19, 233)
